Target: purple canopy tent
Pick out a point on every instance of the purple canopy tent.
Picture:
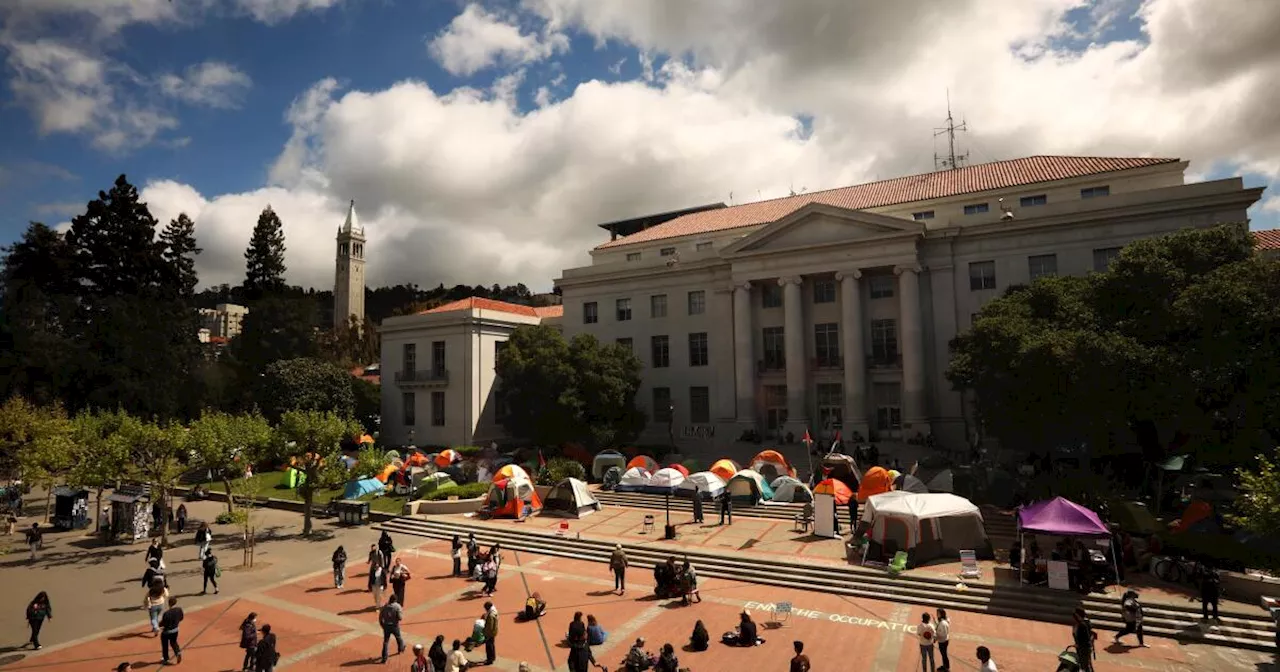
(1064, 518)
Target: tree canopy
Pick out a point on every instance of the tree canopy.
(305, 384)
(264, 259)
(311, 440)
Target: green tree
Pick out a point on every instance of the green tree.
(157, 453)
(558, 391)
(102, 452)
(19, 424)
(276, 328)
(223, 445)
(1258, 507)
(312, 439)
(369, 463)
(37, 312)
(264, 259)
(368, 404)
(305, 384)
(179, 251)
(47, 456)
(355, 344)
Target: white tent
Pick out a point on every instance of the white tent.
(944, 481)
(571, 498)
(665, 481)
(926, 526)
(707, 484)
(748, 485)
(606, 459)
(787, 489)
(634, 480)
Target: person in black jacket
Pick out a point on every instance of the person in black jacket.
(210, 564)
(1083, 636)
(266, 655)
(339, 567)
(726, 508)
(153, 571)
(387, 547)
(169, 623)
(1210, 591)
(700, 639)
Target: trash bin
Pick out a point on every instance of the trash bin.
(353, 512)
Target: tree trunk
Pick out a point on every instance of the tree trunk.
(98, 512)
(308, 495)
(164, 517)
(48, 502)
(226, 483)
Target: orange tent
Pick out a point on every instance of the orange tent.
(386, 472)
(771, 464)
(366, 439)
(876, 481)
(644, 462)
(1196, 511)
(416, 460)
(836, 489)
(725, 469)
(447, 457)
(510, 471)
(680, 468)
(508, 497)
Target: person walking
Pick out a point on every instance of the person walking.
(153, 572)
(154, 600)
(986, 664)
(265, 654)
(375, 560)
(37, 611)
(420, 661)
(456, 552)
(927, 635)
(439, 659)
(155, 552)
(35, 539)
(249, 642)
(388, 549)
(799, 662)
(726, 508)
(618, 563)
(1084, 638)
(490, 633)
(581, 659)
(339, 559)
(182, 518)
(399, 576)
(204, 539)
(697, 503)
(389, 618)
(211, 573)
(169, 624)
(1131, 611)
(942, 634)
(1210, 591)
(378, 578)
(473, 554)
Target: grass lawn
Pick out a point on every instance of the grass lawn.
(268, 484)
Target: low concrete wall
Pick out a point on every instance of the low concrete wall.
(443, 506)
(1251, 589)
(282, 504)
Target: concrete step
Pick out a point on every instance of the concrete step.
(1238, 630)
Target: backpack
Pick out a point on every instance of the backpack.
(388, 616)
(37, 612)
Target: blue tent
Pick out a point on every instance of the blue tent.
(362, 487)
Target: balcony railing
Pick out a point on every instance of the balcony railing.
(422, 376)
(771, 365)
(826, 363)
(890, 360)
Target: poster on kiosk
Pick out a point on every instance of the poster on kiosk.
(824, 516)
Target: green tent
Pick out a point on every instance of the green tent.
(1134, 518)
(292, 478)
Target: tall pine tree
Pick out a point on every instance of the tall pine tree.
(264, 260)
(179, 253)
(37, 310)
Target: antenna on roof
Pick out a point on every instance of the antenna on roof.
(952, 160)
(731, 198)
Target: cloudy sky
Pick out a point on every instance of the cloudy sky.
(483, 141)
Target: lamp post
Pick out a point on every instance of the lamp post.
(411, 443)
(669, 531)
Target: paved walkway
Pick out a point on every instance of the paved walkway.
(321, 628)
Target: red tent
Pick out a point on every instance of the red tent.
(680, 468)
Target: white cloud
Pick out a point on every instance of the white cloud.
(1271, 204)
(275, 11)
(211, 84)
(60, 209)
(477, 39)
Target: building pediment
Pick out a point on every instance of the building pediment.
(817, 225)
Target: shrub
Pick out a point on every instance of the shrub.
(230, 518)
(560, 468)
(467, 491)
(469, 451)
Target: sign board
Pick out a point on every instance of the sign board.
(824, 516)
(1059, 575)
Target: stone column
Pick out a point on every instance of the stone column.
(743, 355)
(911, 326)
(794, 337)
(854, 350)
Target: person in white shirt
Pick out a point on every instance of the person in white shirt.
(457, 659)
(942, 633)
(927, 636)
(985, 664)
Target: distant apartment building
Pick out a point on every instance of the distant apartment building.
(222, 322)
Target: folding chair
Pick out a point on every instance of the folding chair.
(648, 524)
(782, 609)
(969, 568)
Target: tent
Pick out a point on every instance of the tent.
(417, 459)
(447, 457)
(771, 464)
(788, 489)
(1198, 517)
(511, 471)
(366, 440)
(424, 481)
(571, 498)
(842, 468)
(1061, 517)
(748, 486)
(612, 476)
(362, 487)
(606, 459)
(292, 478)
(1135, 518)
(680, 468)
(926, 526)
(634, 480)
(725, 469)
(644, 462)
(836, 489)
(707, 484)
(909, 483)
(386, 472)
(875, 482)
(664, 482)
(944, 481)
(508, 496)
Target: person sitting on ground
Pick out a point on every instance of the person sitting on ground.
(667, 661)
(660, 580)
(596, 635)
(477, 635)
(577, 637)
(745, 634)
(534, 607)
(638, 659)
(700, 639)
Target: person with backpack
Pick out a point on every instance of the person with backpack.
(35, 539)
(211, 573)
(204, 539)
(37, 611)
(618, 563)
(1083, 636)
(339, 559)
(473, 554)
(388, 549)
(389, 618)
(1131, 611)
(249, 642)
(926, 634)
(375, 561)
(266, 657)
(1210, 591)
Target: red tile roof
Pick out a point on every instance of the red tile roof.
(1267, 240)
(478, 303)
(941, 184)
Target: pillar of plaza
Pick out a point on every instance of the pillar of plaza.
(743, 355)
(914, 417)
(793, 337)
(855, 360)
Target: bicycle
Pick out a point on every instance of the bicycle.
(1176, 570)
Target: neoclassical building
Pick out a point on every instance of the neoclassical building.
(834, 309)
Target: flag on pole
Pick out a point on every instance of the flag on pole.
(836, 443)
(542, 461)
(807, 439)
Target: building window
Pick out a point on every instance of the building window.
(666, 252)
(824, 291)
(888, 400)
(658, 305)
(774, 347)
(590, 312)
(1032, 201)
(775, 406)
(410, 356)
(703, 246)
(437, 358)
(830, 405)
(623, 308)
(771, 296)
(633, 256)
(660, 348)
(1041, 265)
(826, 345)
(408, 410)
(976, 208)
(662, 404)
(921, 216)
(698, 349)
(982, 275)
(625, 343)
(699, 405)
(1094, 192)
(1102, 258)
(881, 286)
(437, 409)
(884, 342)
(697, 302)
